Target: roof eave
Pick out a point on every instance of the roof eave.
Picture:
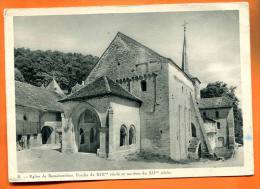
(102, 95)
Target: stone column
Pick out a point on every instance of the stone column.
(102, 137)
(111, 132)
(67, 135)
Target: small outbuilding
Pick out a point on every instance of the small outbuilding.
(101, 118)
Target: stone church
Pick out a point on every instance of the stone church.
(136, 100)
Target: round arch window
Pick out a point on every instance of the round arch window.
(132, 137)
(123, 135)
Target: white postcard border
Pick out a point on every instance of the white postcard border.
(247, 169)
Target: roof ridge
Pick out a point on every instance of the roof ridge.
(139, 44)
(107, 84)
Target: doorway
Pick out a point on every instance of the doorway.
(46, 135)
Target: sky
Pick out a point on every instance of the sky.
(212, 38)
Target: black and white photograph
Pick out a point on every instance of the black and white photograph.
(127, 92)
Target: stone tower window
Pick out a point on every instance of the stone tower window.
(204, 114)
(123, 133)
(143, 85)
(132, 138)
(193, 130)
(217, 114)
(218, 125)
(24, 118)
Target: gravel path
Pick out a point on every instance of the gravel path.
(44, 160)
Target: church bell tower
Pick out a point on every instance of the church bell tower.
(185, 65)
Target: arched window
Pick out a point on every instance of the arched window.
(82, 137)
(123, 133)
(24, 118)
(132, 138)
(92, 135)
(143, 85)
(217, 114)
(204, 114)
(193, 130)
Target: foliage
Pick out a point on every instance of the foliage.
(18, 75)
(38, 67)
(219, 89)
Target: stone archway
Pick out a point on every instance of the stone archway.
(88, 132)
(73, 112)
(76, 131)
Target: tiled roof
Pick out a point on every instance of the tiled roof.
(101, 87)
(36, 97)
(125, 51)
(215, 102)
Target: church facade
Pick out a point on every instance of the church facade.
(134, 100)
(138, 101)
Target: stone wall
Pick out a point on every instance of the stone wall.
(231, 127)
(154, 109)
(180, 112)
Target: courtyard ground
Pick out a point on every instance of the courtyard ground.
(49, 160)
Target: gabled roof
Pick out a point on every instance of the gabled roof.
(54, 86)
(215, 102)
(101, 87)
(36, 97)
(124, 50)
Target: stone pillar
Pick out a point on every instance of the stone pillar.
(52, 137)
(111, 132)
(67, 135)
(102, 137)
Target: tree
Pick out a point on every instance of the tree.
(221, 89)
(18, 75)
(37, 67)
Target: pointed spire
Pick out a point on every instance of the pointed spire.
(185, 65)
(54, 86)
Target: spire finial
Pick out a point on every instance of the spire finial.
(185, 66)
(184, 26)
(53, 76)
